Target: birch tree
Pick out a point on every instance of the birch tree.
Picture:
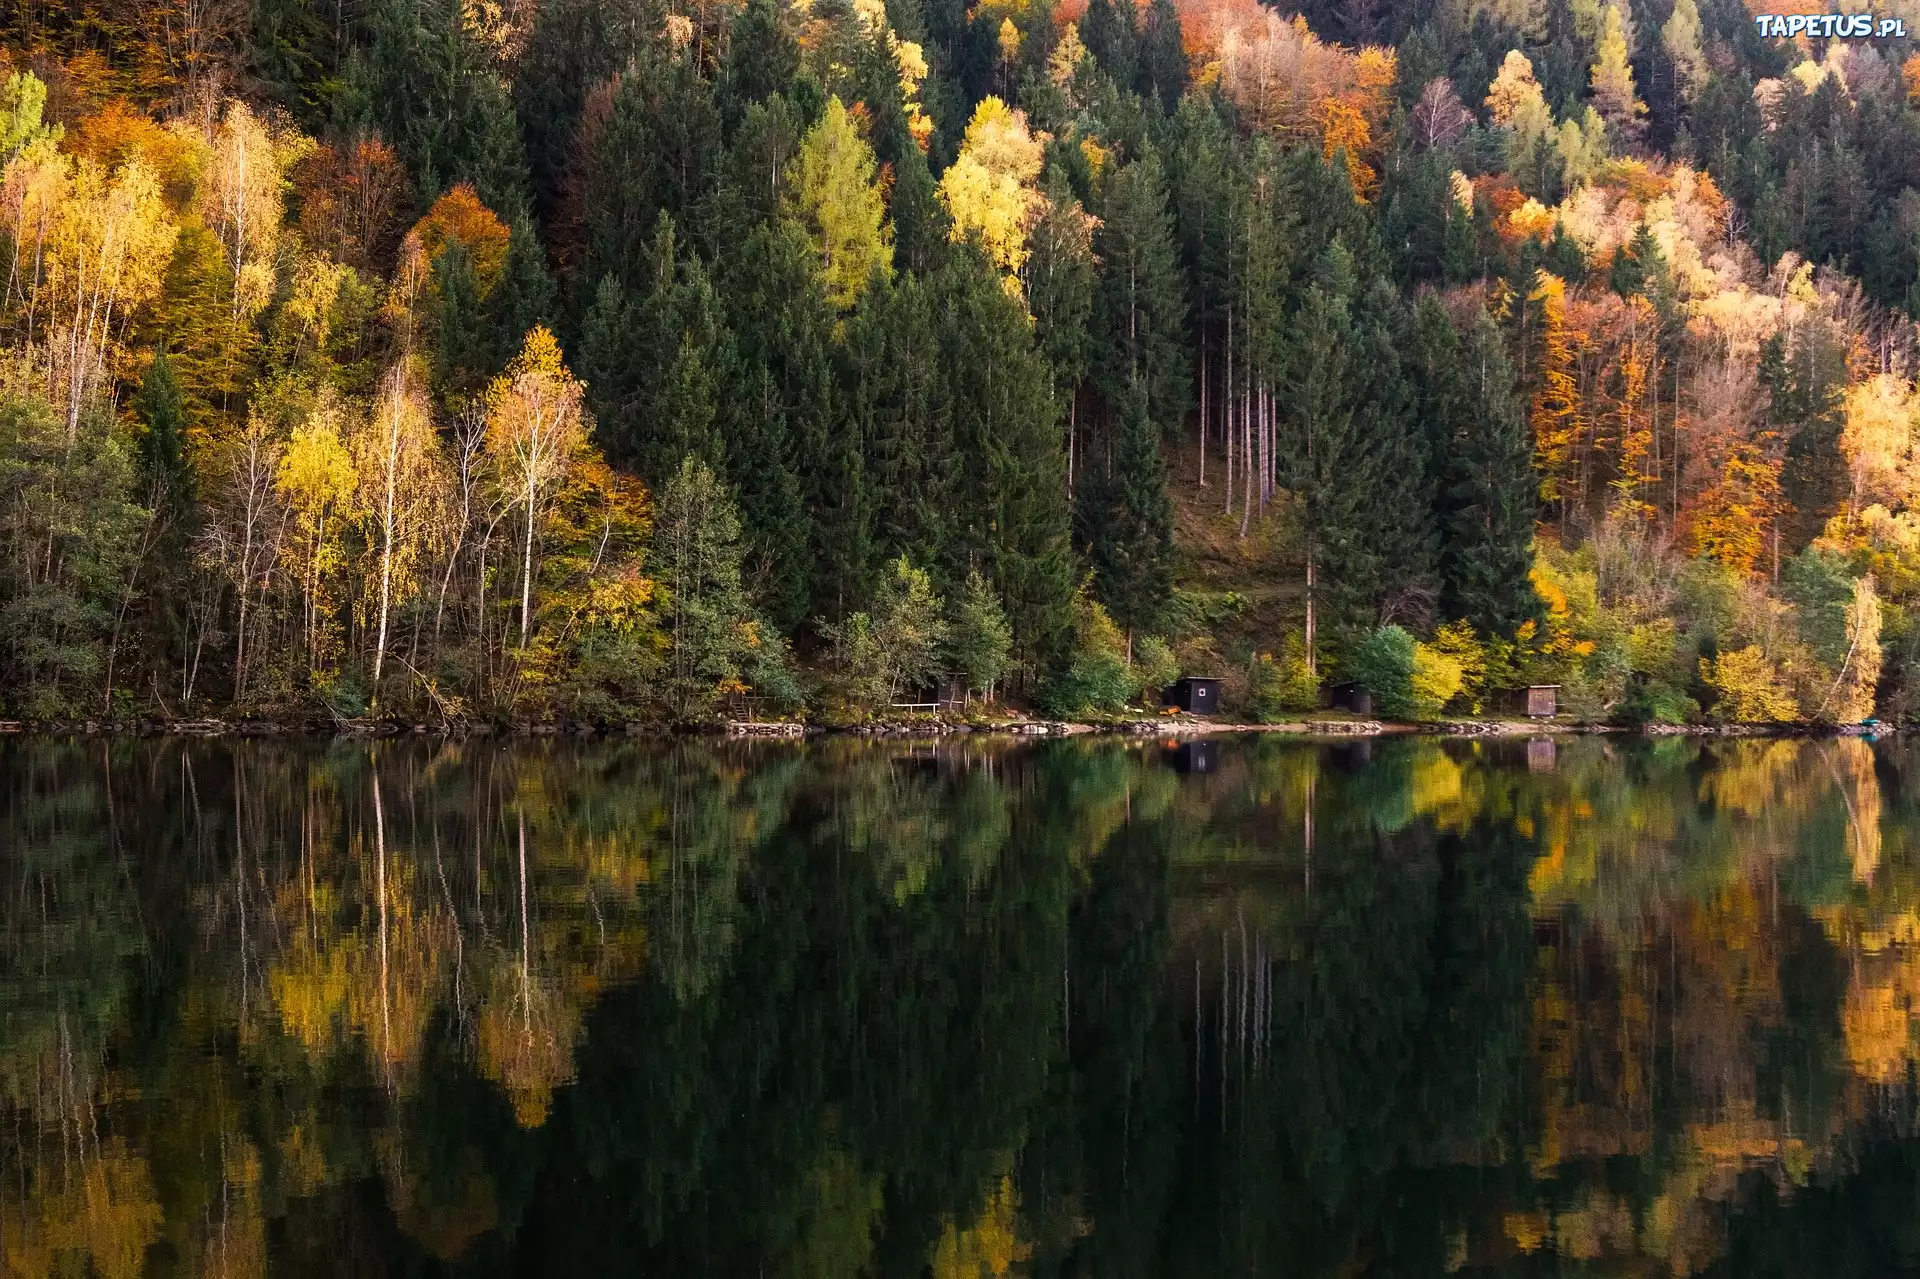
(535, 424)
(401, 477)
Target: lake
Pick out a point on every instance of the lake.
(1253, 1007)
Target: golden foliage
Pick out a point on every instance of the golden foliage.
(989, 188)
(1731, 519)
(459, 216)
(833, 191)
(1747, 688)
(1290, 83)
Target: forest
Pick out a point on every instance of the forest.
(647, 360)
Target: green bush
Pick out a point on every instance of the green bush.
(1154, 667)
(1096, 677)
(1279, 685)
(1383, 664)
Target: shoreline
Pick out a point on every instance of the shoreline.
(789, 730)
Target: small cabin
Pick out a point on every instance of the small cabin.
(1535, 701)
(1350, 696)
(1195, 694)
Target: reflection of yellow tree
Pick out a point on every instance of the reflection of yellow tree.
(990, 1246)
(527, 1029)
(330, 983)
(96, 1216)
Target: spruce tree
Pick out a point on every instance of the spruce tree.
(1010, 511)
(1125, 520)
(1484, 498)
(1327, 459)
(762, 59)
(652, 363)
(1110, 36)
(575, 45)
(657, 151)
(1163, 58)
(426, 84)
(898, 403)
(783, 327)
(1143, 297)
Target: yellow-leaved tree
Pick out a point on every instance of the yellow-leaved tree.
(831, 190)
(89, 248)
(989, 188)
(316, 480)
(535, 425)
(403, 484)
(1877, 440)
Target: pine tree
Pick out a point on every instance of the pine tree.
(898, 402)
(1125, 520)
(1484, 498)
(1143, 297)
(1011, 517)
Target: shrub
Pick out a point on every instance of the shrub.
(1747, 689)
(1383, 663)
(1433, 682)
(1279, 685)
(1154, 667)
(1096, 677)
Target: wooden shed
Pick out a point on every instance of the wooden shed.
(1535, 701)
(1195, 694)
(1350, 696)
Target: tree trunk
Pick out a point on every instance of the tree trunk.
(1311, 670)
(526, 573)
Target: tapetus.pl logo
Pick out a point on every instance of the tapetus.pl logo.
(1830, 26)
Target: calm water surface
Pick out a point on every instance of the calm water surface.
(846, 1009)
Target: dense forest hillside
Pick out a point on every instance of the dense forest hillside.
(605, 359)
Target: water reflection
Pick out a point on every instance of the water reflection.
(847, 1008)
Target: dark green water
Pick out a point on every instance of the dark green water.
(852, 1009)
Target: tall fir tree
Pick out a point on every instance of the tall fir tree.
(1143, 297)
(1011, 514)
(1484, 498)
(1125, 520)
(430, 89)
(899, 404)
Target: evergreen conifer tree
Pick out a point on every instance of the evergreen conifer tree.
(1484, 496)
(1143, 297)
(1126, 522)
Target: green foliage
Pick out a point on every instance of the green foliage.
(979, 639)
(1125, 518)
(1154, 668)
(1095, 677)
(910, 629)
(69, 533)
(1383, 663)
(718, 645)
(1278, 687)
